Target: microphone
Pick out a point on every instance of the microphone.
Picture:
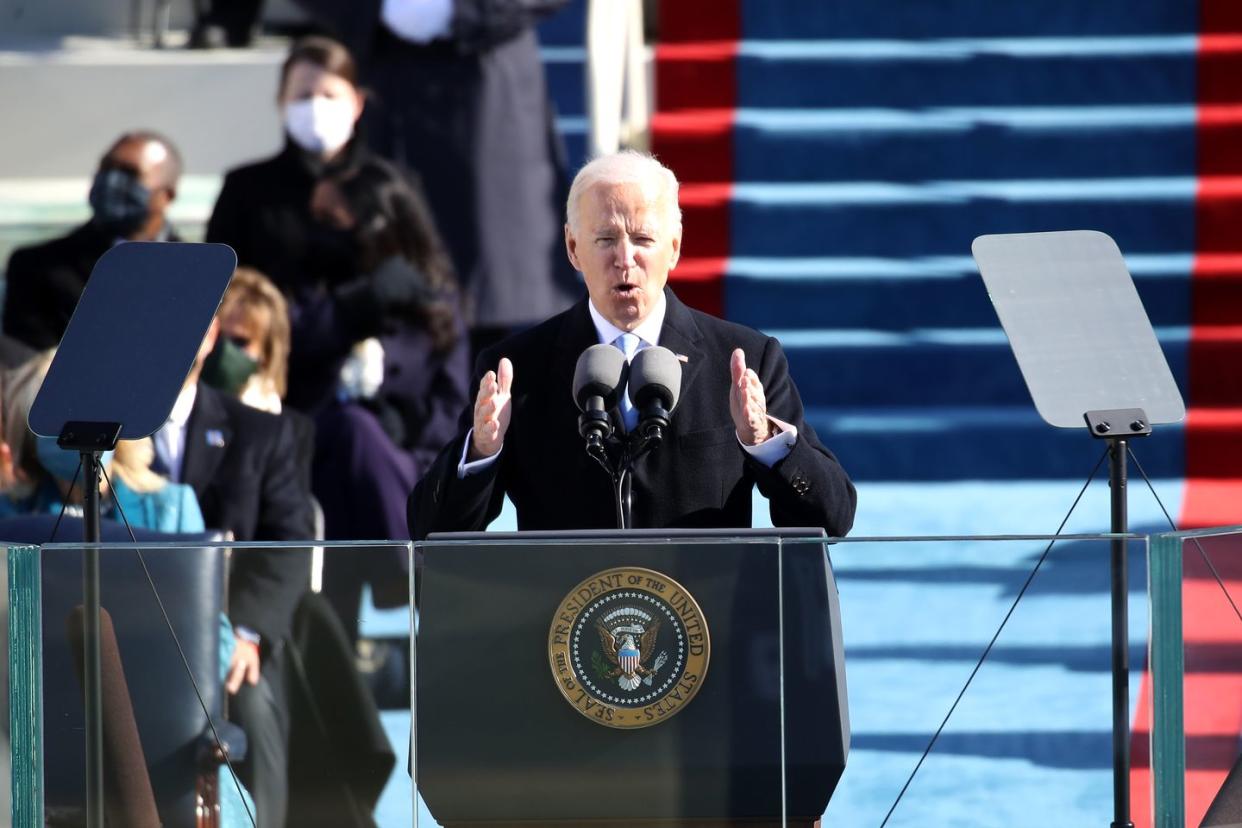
(655, 386)
(598, 379)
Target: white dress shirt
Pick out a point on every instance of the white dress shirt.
(170, 439)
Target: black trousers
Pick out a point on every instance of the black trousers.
(261, 710)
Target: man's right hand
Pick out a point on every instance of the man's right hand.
(492, 409)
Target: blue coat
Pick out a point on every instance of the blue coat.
(174, 508)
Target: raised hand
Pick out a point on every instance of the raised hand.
(492, 410)
(747, 404)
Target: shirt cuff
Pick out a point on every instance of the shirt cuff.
(777, 447)
(464, 468)
(247, 634)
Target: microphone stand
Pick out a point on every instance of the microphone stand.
(617, 454)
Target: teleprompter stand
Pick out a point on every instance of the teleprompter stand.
(1090, 359)
(119, 368)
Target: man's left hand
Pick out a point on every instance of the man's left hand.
(747, 403)
(244, 666)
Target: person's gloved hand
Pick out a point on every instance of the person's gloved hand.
(399, 285)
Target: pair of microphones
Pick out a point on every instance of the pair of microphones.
(652, 379)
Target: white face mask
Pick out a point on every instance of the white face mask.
(320, 125)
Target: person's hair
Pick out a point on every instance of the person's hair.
(131, 462)
(392, 219)
(170, 168)
(329, 55)
(253, 295)
(627, 167)
(20, 387)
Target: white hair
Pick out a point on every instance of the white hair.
(627, 167)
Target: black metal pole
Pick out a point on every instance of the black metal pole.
(90, 651)
(1117, 453)
(621, 491)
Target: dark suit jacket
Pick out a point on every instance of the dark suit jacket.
(243, 466)
(699, 476)
(44, 282)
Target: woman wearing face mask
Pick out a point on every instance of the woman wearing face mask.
(400, 394)
(263, 212)
(251, 357)
(43, 472)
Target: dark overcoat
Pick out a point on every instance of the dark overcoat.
(470, 114)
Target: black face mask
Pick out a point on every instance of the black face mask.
(120, 203)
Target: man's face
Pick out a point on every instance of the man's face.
(625, 248)
(146, 161)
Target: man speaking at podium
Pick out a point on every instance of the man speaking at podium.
(738, 423)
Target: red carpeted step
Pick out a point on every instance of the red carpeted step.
(688, 20)
(1214, 422)
(698, 283)
(692, 132)
(699, 75)
(697, 144)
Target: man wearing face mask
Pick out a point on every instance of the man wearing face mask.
(243, 466)
(129, 198)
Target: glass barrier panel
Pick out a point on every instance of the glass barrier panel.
(15, 564)
(1031, 735)
(210, 651)
(513, 679)
(1197, 683)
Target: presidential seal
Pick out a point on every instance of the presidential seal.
(629, 647)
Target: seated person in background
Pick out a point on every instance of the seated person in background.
(129, 198)
(251, 358)
(42, 471)
(39, 483)
(243, 465)
(399, 393)
(249, 361)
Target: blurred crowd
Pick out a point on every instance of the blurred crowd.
(412, 218)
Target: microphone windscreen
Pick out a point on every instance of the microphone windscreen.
(599, 373)
(655, 371)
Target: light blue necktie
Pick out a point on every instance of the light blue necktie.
(628, 344)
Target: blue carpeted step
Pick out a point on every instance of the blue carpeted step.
(963, 143)
(915, 74)
(566, 27)
(979, 443)
(942, 218)
(565, 68)
(896, 294)
(922, 367)
(573, 132)
(962, 18)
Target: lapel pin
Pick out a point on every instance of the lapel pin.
(215, 438)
